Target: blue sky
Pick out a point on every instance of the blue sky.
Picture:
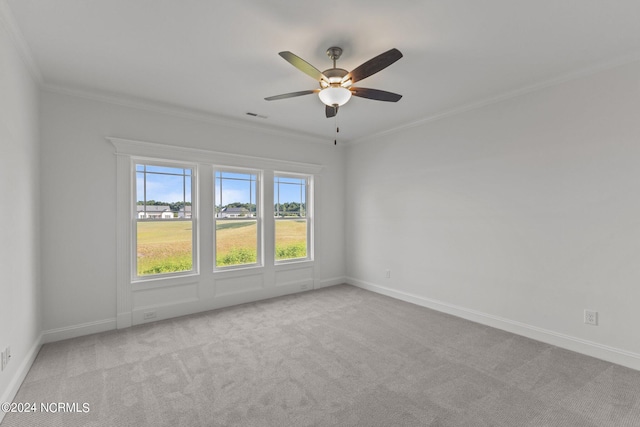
(236, 187)
(289, 190)
(167, 184)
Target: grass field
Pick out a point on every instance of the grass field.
(165, 246)
(236, 242)
(291, 239)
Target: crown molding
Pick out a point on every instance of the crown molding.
(179, 111)
(8, 21)
(146, 149)
(574, 75)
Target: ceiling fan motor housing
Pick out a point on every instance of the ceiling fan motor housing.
(335, 76)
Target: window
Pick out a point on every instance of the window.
(164, 219)
(162, 267)
(292, 228)
(237, 218)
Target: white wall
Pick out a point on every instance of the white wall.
(19, 209)
(79, 201)
(520, 214)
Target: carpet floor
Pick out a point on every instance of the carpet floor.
(339, 356)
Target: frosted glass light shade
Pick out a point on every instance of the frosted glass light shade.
(335, 95)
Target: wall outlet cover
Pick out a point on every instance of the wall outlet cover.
(591, 317)
(149, 315)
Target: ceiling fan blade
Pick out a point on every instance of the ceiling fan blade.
(292, 94)
(331, 110)
(378, 95)
(373, 65)
(303, 66)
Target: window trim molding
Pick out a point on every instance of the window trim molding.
(152, 150)
(125, 149)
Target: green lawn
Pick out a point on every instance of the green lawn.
(291, 239)
(165, 246)
(236, 242)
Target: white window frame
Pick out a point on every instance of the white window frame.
(135, 220)
(259, 215)
(309, 217)
(127, 291)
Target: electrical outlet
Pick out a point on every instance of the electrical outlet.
(149, 315)
(591, 317)
(387, 274)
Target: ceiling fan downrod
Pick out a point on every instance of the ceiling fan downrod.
(334, 54)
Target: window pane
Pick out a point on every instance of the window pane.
(290, 211)
(163, 203)
(236, 242)
(236, 216)
(235, 190)
(291, 239)
(290, 195)
(164, 247)
(162, 195)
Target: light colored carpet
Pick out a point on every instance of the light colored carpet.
(339, 356)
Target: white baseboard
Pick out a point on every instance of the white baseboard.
(123, 320)
(21, 373)
(333, 281)
(74, 331)
(579, 345)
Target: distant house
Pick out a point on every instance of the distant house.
(234, 213)
(184, 212)
(154, 212)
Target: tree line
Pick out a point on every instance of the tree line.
(174, 207)
(283, 208)
(288, 207)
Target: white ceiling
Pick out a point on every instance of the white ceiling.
(221, 57)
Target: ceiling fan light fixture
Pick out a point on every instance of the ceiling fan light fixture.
(334, 95)
(335, 83)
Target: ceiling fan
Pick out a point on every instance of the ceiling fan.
(335, 83)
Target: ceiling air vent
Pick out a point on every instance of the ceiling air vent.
(256, 115)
